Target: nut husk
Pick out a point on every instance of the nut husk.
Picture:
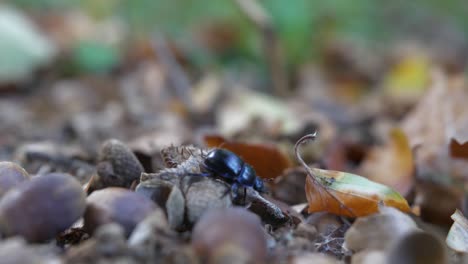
(117, 205)
(168, 196)
(118, 167)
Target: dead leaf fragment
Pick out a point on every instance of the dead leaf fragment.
(458, 150)
(244, 106)
(457, 238)
(408, 78)
(439, 117)
(267, 160)
(391, 164)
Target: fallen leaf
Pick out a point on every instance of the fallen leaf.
(408, 78)
(349, 194)
(242, 107)
(391, 164)
(457, 238)
(267, 160)
(439, 117)
(458, 150)
(344, 193)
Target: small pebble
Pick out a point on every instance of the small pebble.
(40, 209)
(418, 248)
(227, 233)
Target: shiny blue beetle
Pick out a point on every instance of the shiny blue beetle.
(232, 168)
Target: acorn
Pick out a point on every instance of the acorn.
(230, 234)
(41, 208)
(11, 174)
(117, 205)
(117, 167)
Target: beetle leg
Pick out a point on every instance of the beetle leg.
(200, 174)
(245, 194)
(234, 190)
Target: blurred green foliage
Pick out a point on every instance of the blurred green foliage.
(95, 57)
(303, 25)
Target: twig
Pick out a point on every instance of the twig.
(271, 45)
(177, 77)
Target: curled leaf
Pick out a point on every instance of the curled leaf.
(457, 238)
(344, 193)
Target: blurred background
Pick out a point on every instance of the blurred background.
(98, 36)
(63, 64)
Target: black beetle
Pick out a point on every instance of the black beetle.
(232, 168)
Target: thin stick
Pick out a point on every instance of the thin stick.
(271, 45)
(176, 75)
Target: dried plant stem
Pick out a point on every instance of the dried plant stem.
(271, 45)
(176, 75)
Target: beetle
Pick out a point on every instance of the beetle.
(232, 168)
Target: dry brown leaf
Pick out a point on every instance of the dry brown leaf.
(349, 195)
(439, 116)
(458, 150)
(391, 164)
(344, 193)
(267, 160)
